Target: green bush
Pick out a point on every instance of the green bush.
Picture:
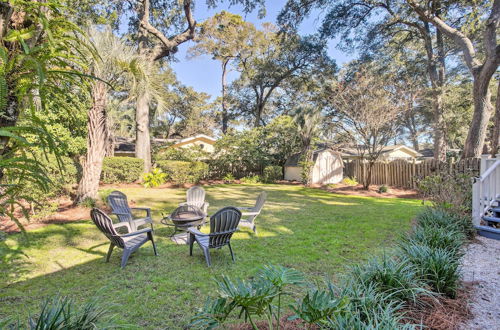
(61, 313)
(154, 178)
(183, 172)
(394, 278)
(103, 195)
(437, 267)
(192, 154)
(435, 238)
(273, 173)
(251, 179)
(435, 217)
(88, 203)
(121, 169)
(229, 177)
(350, 181)
(383, 189)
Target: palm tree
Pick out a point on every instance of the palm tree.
(115, 63)
(307, 119)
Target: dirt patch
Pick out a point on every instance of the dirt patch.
(358, 190)
(66, 212)
(442, 313)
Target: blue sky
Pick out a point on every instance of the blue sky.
(203, 73)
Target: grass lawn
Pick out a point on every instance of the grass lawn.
(311, 230)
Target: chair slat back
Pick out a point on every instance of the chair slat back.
(105, 225)
(223, 224)
(196, 196)
(119, 204)
(261, 200)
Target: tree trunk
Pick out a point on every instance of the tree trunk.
(225, 115)
(495, 143)
(96, 143)
(368, 178)
(482, 112)
(142, 139)
(258, 114)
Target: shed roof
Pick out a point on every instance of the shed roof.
(294, 159)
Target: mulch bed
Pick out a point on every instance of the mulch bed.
(284, 324)
(443, 313)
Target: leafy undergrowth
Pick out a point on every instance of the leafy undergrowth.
(313, 231)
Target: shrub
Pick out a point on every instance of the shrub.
(383, 189)
(121, 169)
(350, 181)
(437, 267)
(450, 192)
(88, 203)
(273, 173)
(435, 237)
(183, 154)
(183, 172)
(229, 177)
(432, 217)
(251, 179)
(396, 279)
(61, 313)
(154, 178)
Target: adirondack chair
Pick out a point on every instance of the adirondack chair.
(250, 213)
(222, 226)
(196, 196)
(128, 242)
(119, 205)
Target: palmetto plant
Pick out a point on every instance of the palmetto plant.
(39, 60)
(252, 298)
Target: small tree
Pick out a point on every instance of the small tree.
(367, 110)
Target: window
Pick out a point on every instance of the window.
(202, 146)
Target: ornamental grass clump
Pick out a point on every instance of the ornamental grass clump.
(392, 277)
(437, 267)
(435, 237)
(436, 217)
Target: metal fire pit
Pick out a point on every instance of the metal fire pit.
(182, 218)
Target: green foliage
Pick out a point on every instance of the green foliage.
(103, 195)
(449, 192)
(435, 237)
(183, 172)
(383, 189)
(121, 169)
(88, 203)
(182, 154)
(154, 178)
(61, 313)
(305, 173)
(251, 298)
(396, 279)
(350, 181)
(254, 179)
(229, 177)
(272, 173)
(436, 217)
(317, 306)
(437, 267)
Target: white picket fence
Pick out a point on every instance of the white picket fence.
(486, 188)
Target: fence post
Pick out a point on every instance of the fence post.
(484, 164)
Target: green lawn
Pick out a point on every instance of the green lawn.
(311, 230)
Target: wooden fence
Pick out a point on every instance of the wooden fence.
(405, 174)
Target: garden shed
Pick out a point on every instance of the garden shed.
(328, 167)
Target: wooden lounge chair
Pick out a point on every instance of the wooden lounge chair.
(128, 242)
(222, 226)
(250, 213)
(119, 205)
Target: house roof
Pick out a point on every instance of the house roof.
(346, 152)
(201, 137)
(294, 159)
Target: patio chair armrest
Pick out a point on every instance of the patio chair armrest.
(122, 224)
(196, 232)
(249, 213)
(142, 231)
(244, 208)
(147, 209)
(142, 221)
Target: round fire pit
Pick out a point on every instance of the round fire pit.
(185, 216)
